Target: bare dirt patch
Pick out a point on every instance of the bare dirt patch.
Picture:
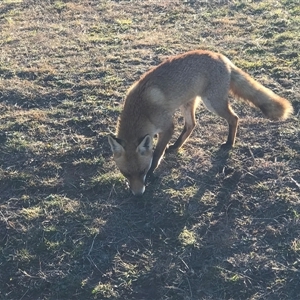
(212, 225)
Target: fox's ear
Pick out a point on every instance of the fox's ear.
(115, 145)
(145, 145)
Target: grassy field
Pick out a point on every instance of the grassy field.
(212, 225)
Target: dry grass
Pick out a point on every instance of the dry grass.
(212, 225)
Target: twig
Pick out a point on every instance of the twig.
(251, 153)
(5, 219)
(235, 273)
(191, 293)
(92, 246)
(93, 263)
(24, 295)
(297, 184)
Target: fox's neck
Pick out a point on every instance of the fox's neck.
(132, 126)
(134, 122)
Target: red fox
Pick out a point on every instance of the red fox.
(180, 82)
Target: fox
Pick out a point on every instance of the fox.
(182, 81)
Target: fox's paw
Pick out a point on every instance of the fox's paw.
(226, 147)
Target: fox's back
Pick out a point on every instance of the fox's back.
(176, 81)
(183, 77)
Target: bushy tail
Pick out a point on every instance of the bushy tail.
(245, 87)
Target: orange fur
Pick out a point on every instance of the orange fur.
(180, 82)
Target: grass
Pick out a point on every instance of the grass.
(211, 225)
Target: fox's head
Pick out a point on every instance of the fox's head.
(133, 161)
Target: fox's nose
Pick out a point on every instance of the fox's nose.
(138, 192)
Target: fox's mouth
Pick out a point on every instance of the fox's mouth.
(139, 192)
(136, 192)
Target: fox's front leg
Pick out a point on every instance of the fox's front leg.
(188, 112)
(163, 139)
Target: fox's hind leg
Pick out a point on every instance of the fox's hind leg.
(188, 112)
(233, 121)
(224, 110)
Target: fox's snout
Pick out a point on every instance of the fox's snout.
(137, 187)
(138, 192)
